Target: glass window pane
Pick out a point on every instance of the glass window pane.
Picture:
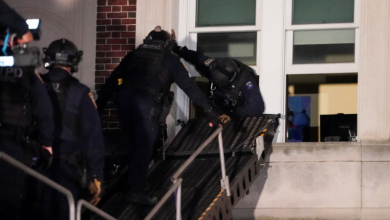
(322, 11)
(240, 46)
(225, 12)
(324, 46)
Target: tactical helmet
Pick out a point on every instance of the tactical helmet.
(158, 35)
(62, 52)
(224, 71)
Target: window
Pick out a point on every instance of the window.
(225, 12)
(322, 12)
(321, 68)
(324, 46)
(240, 46)
(225, 28)
(321, 36)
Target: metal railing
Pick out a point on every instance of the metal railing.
(177, 181)
(91, 207)
(44, 179)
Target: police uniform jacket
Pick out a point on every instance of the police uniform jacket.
(251, 103)
(41, 112)
(86, 136)
(134, 73)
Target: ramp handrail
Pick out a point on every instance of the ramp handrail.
(177, 181)
(44, 179)
(176, 185)
(91, 207)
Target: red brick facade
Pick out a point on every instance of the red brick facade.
(115, 27)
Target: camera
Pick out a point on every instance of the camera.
(21, 55)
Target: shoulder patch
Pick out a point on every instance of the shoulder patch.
(208, 61)
(93, 100)
(39, 77)
(249, 85)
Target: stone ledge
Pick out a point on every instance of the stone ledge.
(324, 151)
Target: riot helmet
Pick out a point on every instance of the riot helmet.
(62, 52)
(224, 71)
(159, 36)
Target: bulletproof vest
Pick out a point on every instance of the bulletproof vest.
(15, 99)
(231, 97)
(149, 58)
(65, 94)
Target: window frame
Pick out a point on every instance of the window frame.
(193, 31)
(291, 68)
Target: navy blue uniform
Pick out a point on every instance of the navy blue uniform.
(9, 18)
(12, 180)
(135, 102)
(251, 102)
(73, 142)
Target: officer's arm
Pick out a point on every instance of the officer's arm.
(42, 111)
(92, 136)
(182, 79)
(105, 93)
(253, 104)
(9, 18)
(197, 59)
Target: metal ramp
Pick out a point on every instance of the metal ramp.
(202, 196)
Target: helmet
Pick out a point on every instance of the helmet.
(159, 36)
(62, 52)
(224, 71)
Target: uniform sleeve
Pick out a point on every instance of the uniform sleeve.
(200, 61)
(92, 136)
(253, 104)
(105, 93)
(9, 18)
(42, 111)
(182, 79)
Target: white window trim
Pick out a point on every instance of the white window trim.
(191, 41)
(320, 68)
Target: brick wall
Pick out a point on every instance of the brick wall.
(115, 26)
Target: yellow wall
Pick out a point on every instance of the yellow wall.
(337, 98)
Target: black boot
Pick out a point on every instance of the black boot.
(141, 197)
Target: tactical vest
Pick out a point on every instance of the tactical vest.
(149, 57)
(232, 97)
(65, 94)
(15, 100)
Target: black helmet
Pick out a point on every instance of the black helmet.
(62, 52)
(158, 35)
(224, 71)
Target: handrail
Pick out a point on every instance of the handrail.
(177, 181)
(176, 185)
(44, 179)
(196, 153)
(88, 205)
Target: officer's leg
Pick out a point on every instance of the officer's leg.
(11, 181)
(146, 132)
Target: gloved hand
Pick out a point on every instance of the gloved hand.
(96, 191)
(214, 118)
(176, 48)
(224, 118)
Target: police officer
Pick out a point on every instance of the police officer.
(24, 105)
(143, 100)
(9, 18)
(78, 141)
(233, 89)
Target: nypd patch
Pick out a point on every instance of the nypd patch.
(208, 61)
(249, 85)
